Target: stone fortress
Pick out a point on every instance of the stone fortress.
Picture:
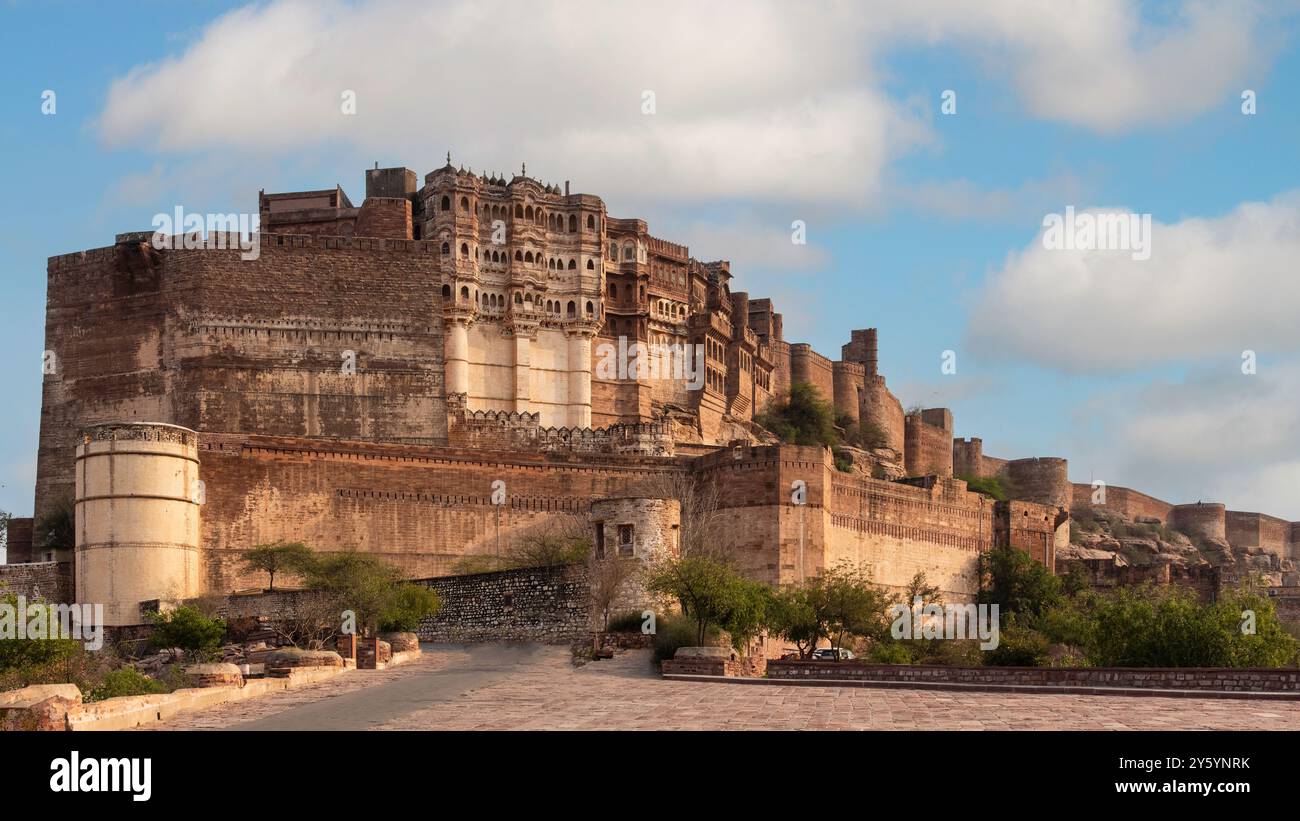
(370, 376)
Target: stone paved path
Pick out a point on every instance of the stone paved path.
(501, 687)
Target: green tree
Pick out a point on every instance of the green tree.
(829, 606)
(355, 581)
(291, 557)
(1018, 584)
(793, 615)
(803, 417)
(712, 594)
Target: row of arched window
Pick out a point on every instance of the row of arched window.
(526, 257)
(629, 252)
(550, 219)
(670, 309)
(497, 302)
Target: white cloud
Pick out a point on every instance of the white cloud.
(1211, 289)
(757, 100)
(1215, 436)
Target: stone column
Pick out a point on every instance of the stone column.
(456, 356)
(579, 367)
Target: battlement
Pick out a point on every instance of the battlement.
(512, 430)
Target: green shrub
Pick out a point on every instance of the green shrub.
(890, 652)
(1018, 647)
(125, 682)
(673, 631)
(993, 486)
(186, 628)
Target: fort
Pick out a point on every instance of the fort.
(365, 379)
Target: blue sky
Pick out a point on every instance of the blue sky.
(923, 224)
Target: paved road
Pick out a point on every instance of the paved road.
(386, 701)
(505, 687)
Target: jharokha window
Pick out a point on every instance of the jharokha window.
(626, 538)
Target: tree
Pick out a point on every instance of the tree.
(292, 557)
(551, 548)
(1013, 580)
(829, 606)
(792, 614)
(356, 581)
(920, 587)
(803, 417)
(849, 603)
(712, 594)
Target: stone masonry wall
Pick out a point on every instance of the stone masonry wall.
(318, 336)
(550, 605)
(49, 581)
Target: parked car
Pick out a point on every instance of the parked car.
(829, 654)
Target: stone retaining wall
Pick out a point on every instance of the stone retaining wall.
(1162, 678)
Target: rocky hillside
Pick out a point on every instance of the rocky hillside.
(1144, 542)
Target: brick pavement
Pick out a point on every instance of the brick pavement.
(540, 689)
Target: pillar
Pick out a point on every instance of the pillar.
(456, 356)
(579, 359)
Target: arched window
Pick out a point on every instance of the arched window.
(446, 203)
(464, 293)
(446, 292)
(464, 203)
(573, 223)
(550, 263)
(629, 252)
(528, 256)
(518, 299)
(591, 266)
(495, 258)
(572, 309)
(613, 252)
(590, 308)
(519, 257)
(528, 212)
(446, 249)
(464, 250)
(573, 264)
(613, 291)
(591, 222)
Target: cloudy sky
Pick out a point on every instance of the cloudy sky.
(925, 223)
